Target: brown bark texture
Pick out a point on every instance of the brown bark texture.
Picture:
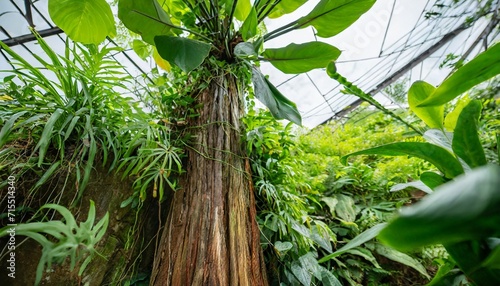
(211, 236)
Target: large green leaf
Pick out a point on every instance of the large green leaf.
(186, 53)
(300, 58)
(436, 155)
(85, 21)
(286, 7)
(461, 210)
(146, 18)
(331, 17)
(249, 27)
(363, 237)
(431, 115)
(466, 142)
(243, 8)
(280, 106)
(483, 67)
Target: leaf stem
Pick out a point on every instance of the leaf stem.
(174, 26)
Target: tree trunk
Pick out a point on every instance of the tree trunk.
(211, 236)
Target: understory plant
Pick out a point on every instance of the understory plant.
(62, 238)
(304, 225)
(460, 211)
(62, 114)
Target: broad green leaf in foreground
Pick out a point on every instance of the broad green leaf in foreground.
(279, 106)
(466, 142)
(77, 17)
(332, 17)
(483, 67)
(146, 18)
(435, 155)
(431, 115)
(464, 209)
(186, 53)
(300, 58)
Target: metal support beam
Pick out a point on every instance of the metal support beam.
(30, 37)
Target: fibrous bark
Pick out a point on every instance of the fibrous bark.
(211, 235)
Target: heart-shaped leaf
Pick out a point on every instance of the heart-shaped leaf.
(77, 17)
(186, 53)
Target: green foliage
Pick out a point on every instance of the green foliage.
(71, 240)
(300, 58)
(332, 17)
(185, 53)
(280, 106)
(68, 116)
(459, 214)
(146, 18)
(78, 17)
(448, 216)
(300, 223)
(431, 115)
(483, 67)
(157, 159)
(185, 32)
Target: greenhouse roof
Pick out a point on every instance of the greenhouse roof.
(394, 40)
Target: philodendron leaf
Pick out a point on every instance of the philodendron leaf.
(431, 115)
(279, 106)
(77, 17)
(464, 209)
(331, 17)
(363, 237)
(435, 155)
(146, 18)
(286, 7)
(483, 67)
(186, 53)
(300, 58)
(466, 142)
(249, 27)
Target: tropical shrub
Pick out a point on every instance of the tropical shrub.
(460, 210)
